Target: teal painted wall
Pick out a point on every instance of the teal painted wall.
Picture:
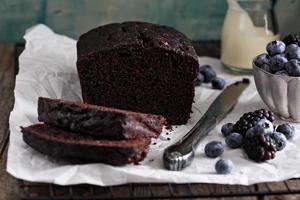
(198, 19)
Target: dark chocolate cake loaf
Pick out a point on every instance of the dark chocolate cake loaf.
(138, 66)
(98, 121)
(81, 148)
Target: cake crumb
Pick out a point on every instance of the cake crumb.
(169, 127)
(246, 80)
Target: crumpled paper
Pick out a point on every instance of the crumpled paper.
(48, 68)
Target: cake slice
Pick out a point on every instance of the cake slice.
(78, 148)
(98, 121)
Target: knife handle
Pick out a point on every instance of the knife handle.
(181, 154)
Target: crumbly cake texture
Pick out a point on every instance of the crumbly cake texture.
(98, 121)
(78, 148)
(140, 67)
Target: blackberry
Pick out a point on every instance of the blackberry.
(260, 147)
(292, 39)
(250, 119)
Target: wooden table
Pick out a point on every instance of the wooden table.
(10, 187)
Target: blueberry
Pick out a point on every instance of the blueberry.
(234, 140)
(293, 67)
(291, 47)
(280, 140)
(275, 47)
(293, 52)
(277, 62)
(227, 129)
(287, 129)
(262, 59)
(224, 166)
(208, 73)
(214, 149)
(265, 127)
(250, 132)
(291, 39)
(200, 79)
(218, 83)
(282, 73)
(266, 67)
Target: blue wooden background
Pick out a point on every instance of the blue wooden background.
(199, 19)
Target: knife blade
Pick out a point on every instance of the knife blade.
(180, 155)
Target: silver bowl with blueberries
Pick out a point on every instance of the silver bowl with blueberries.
(277, 77)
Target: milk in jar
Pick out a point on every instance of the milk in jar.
(242, 39)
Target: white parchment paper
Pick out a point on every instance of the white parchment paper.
(48, 68)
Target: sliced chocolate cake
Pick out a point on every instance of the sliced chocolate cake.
(98, 121)
(78, 148)
(140, 67)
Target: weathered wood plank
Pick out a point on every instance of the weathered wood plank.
(293, 184)
(282, 197)
(8, 184)
(225, 189)
(7, 81)
(273, 186)
(280, 187)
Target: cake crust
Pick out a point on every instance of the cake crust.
(141, 34)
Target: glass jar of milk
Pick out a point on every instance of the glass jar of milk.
(249, 25)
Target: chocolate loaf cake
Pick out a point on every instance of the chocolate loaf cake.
(140, 67)
(98, 121)
(81, 148)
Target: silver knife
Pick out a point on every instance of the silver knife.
(180, 155)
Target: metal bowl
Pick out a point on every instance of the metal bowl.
(280, 93)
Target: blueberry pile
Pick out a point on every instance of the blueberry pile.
(282, 57)
(250, 119)
(261, 140)
(208, 75)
